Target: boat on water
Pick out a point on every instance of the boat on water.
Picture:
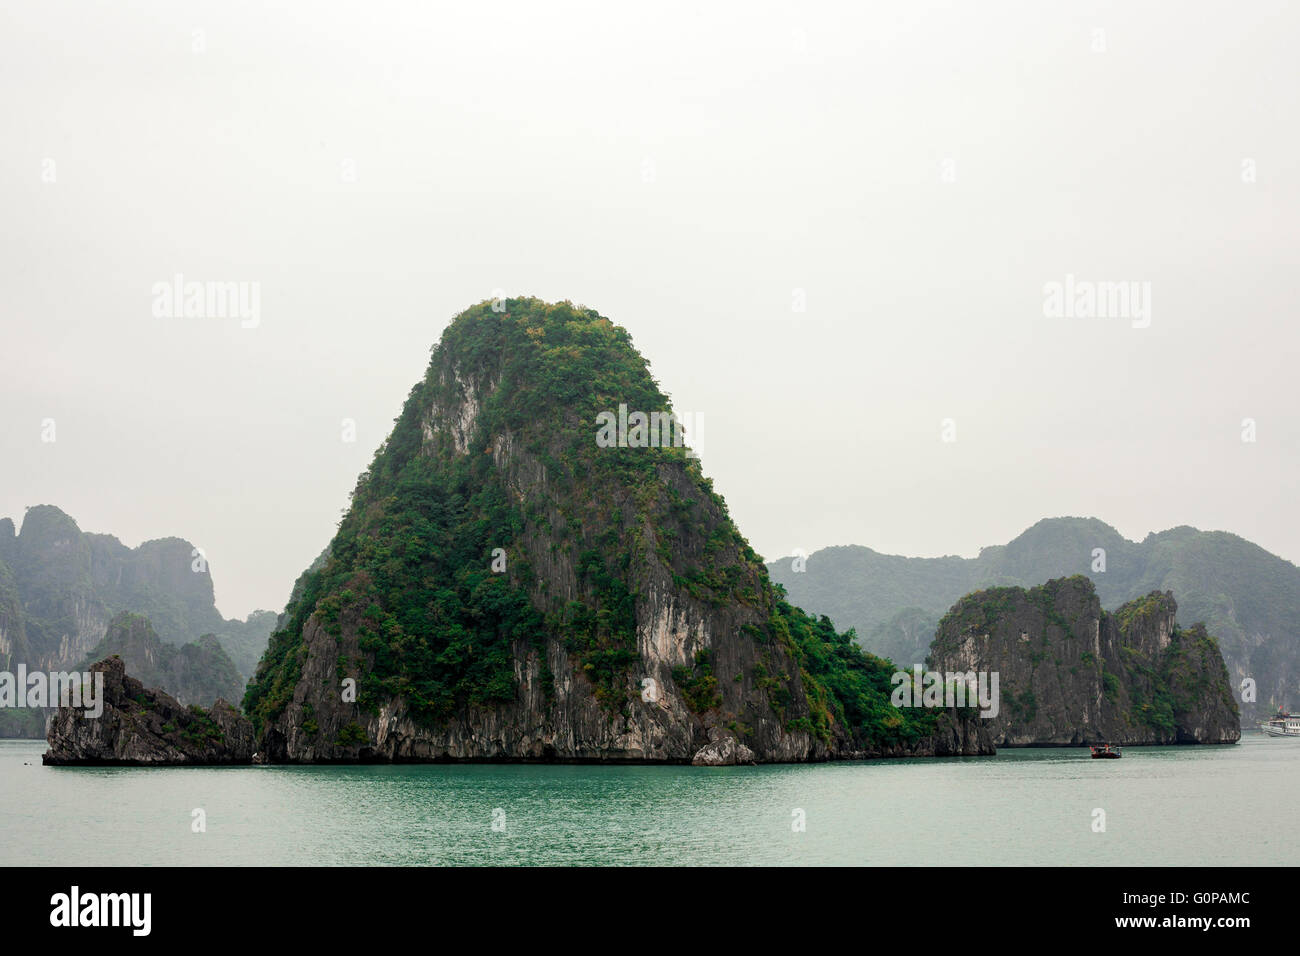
(1105, 752)
(1282, 724)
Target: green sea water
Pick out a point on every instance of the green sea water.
(1163, 806)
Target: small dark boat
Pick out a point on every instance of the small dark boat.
(1105, 752)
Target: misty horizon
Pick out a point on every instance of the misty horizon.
(842, 236)
(768, 559)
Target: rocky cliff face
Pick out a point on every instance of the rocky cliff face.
(197, 673)
(60, 587)
(15, 649)
(1247, 598)
(504, 587)
(147, 727)
(1070, 673)
(558, 717)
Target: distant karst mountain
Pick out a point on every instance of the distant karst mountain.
(1248, 598)
(60, 587)
(508, 585)
(1071, 673)
(198, 673)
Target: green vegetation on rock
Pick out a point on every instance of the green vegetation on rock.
(1248, 598)
(517, 472)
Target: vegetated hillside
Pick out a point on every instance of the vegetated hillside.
(1071, 673)
(1248, 598)
(60, 587)
(198, 673)
(504, 587)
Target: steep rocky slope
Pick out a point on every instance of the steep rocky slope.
(1071, 673)
(504, 587)
(1248, 598)
(60, 587)
(147, 727)
(197, 673)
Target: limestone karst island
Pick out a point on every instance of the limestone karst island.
(510, 584)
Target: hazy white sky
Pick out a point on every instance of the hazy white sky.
(919, 171)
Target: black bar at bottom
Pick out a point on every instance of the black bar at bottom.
(379, 907)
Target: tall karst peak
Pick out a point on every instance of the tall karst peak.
(535, 567)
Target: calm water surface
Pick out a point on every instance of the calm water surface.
(1164, 806)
